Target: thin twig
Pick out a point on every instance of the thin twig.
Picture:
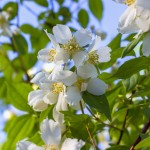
(88, 130)
(145, 128)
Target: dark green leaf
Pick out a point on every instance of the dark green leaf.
(12, 9)
(20, 44)
(96, 7)
(100, 103)
(83, 17)
(118, 147)
(42, 2)
(132, 66)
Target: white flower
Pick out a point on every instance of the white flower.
(65, 44)
(94, 55)
(4, 24)
(51, 135)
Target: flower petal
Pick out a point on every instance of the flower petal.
(96, 86)
(62, 33)
(73, 95)
(87, 71)
(79, 58)
(146, 45)
(50, 98)
(61, 57)
(143, 3)
(104, 54)
(35, 99)
(72, 144)
(83, 37)
(50, 132)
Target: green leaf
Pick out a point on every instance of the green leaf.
(18, 129)
(3, 61)
(3, 88)
(119, 147)
(100, 103)
(42, 2)
(12, 9)
(131, 45)
(20, 44)
(143, 144)
(96, 7)
(131, 82)
(83, 17)
(17, 93)
(132, 66)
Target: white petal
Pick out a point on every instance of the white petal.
(72, 144)
(79, 58)
(66, 77)
(83, 37)
(143, 3)
(50, 132)
(52, 38)
(50, 98)
(146, 45)
(95, 44)
(61, 57)
(87, 71)
(37, 78)
(73, 95)
(104, 54)
(120, 1)
(35, 99)
(26, 145)
(62, 33)
(96, 86)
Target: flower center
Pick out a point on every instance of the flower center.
(57, 87)
(71, 47)
(52, 54)
(81, 84)
(129, 2)
(93, 58)
(50, 147)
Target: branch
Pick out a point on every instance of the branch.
(145, 128)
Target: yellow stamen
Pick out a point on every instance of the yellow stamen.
(129, 2)
(71, 47)
(49, 147)
(57, 87)
(93, 58)
(52, 54)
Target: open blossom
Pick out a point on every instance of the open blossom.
(136, 18)
(4, 24)
(51, 135)
(65, 45)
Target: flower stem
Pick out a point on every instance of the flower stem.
(88, 129)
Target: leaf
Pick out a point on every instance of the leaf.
(96, 7)
(42, 2)
(131, 45)
(132, 66)
(18, 129)
(131, 82)
(20, 44)
(119, 147)
(100, 103)
(3, 61)
(17, 94)
(83, 17)
(143, 144)
(12, 9)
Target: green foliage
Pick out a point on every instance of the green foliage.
(96, 7)
(144, 143)
(99, 103)
(42, 3)
(83, 17)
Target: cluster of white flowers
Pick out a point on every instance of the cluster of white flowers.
(136, 18)
(4, 24)
(51, 135)
(63, 87)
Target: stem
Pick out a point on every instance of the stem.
(145, 128)
(98, 119)
(88, 130)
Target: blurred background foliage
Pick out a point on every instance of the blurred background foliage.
(128, 93)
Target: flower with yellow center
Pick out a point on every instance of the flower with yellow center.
(57, 87)
(51, 135)
(136, 18)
